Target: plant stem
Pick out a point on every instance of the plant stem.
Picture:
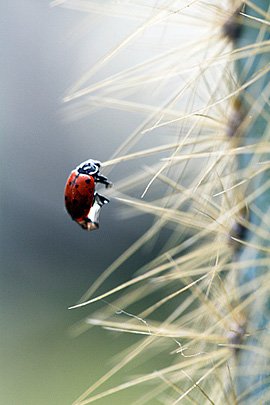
(255, 100)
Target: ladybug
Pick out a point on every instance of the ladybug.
(82, 202)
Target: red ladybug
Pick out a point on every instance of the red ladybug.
(82, 202)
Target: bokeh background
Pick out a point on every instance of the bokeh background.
(47, 261)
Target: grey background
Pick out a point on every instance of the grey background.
(47, 261)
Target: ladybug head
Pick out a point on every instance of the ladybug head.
(90, 167)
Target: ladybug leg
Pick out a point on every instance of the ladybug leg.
(87, 225)
(100, 199)
(99, 178)
(91, 222)
(93, 217)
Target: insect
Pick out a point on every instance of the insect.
(82, 202)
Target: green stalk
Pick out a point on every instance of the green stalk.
(255, 102)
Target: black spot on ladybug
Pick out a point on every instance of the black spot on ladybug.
(66, 198)
(88, 181)
(70, 183)
(76, 185)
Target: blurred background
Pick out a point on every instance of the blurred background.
(47, 261)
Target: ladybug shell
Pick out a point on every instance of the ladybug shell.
(79, 195)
